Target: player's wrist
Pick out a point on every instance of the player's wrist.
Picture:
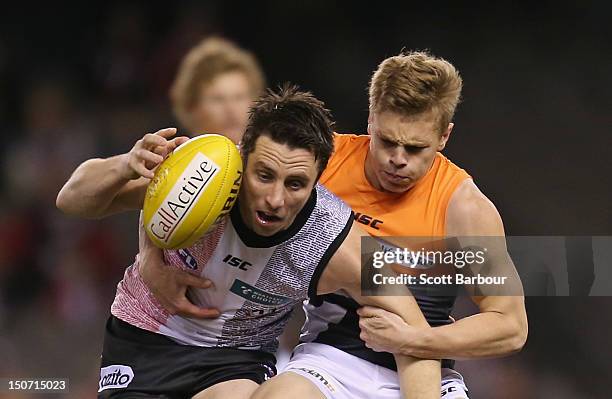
(122, 169)
(420, 342)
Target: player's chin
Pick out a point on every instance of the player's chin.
(267, 231)
(397, 187)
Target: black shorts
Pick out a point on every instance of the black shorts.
(140, 364)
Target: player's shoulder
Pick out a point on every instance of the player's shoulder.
(450, 165)
(470, 211)
(349, 141)
(346, 149)
(330, 206)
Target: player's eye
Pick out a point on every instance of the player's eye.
(388, 143)
(413, 149)
(296, 185)
(264, 177)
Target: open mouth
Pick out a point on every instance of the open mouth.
(267, 218)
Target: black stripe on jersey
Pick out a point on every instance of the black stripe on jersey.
(254, 240)
(331, 250)
(344, 335)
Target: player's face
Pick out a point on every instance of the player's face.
(223, 106)
(402, 149)
(278, 180)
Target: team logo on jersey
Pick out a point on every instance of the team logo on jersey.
(234, 261)
(368, 220)
(115, 376)
(253, 294)
(188, 259)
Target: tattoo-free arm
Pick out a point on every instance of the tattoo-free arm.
(419, 378)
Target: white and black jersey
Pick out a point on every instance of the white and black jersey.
(257, 280)
(332, 319)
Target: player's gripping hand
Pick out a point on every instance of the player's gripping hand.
(384, 331)
(168, 284)
(149, 152)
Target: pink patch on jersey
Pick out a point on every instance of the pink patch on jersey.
(201, 251)
(135, 304)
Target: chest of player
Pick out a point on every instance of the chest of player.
(270, 277)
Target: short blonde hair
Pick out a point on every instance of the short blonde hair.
(414, 83)
(209, 59)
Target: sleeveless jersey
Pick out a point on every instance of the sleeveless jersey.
(421, 211)
(257, 280)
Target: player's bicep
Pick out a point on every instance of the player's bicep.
(477, 226)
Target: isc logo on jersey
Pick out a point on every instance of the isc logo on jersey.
(193, 189)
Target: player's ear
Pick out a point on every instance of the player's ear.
(445, 136)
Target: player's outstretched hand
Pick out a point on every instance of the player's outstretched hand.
(149, 152)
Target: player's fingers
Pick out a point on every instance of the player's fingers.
(160, 150)
(166, 133)
(139, 167)
(149, 156)
(151, 140)
(363, 325)
(368, 311)
(169, 146)
(188, 309)
(175, 142)
(193, 281)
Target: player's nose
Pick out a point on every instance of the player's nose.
(275, 197)
(397, 159)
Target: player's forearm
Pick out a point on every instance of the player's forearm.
(419, 378)
(92, 187)
(483, 335)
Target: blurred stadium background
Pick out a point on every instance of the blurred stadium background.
(90, 79)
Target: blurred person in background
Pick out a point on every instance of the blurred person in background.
(214, 87)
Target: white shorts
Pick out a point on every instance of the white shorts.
(340, 375)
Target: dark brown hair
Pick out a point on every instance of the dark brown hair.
(292, 117)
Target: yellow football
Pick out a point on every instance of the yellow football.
(193, 189)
